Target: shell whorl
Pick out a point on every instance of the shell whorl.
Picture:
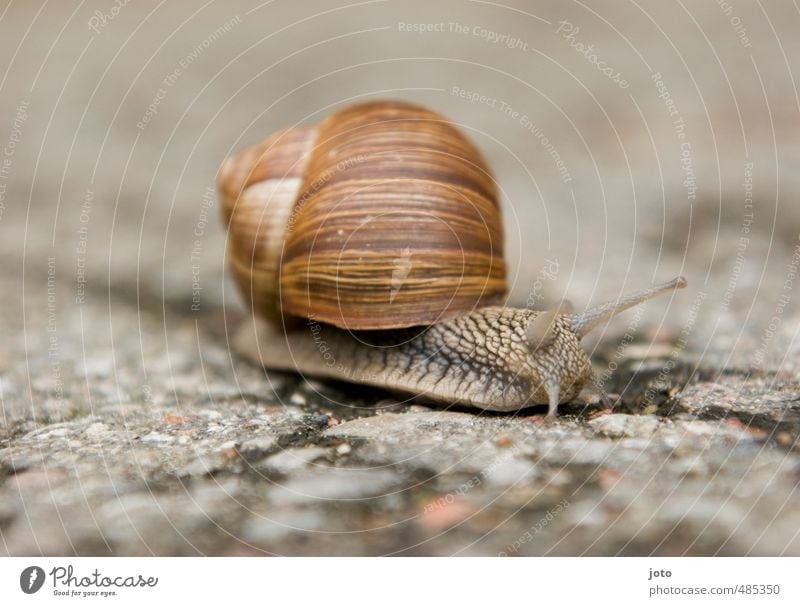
(383, 216)
(258, 187)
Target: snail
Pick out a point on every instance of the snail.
(380, 227)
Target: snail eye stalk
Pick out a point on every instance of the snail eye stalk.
(584, 323)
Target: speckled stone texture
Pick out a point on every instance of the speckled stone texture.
(129, 426)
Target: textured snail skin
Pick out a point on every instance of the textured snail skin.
(494, 358)
(481, 359)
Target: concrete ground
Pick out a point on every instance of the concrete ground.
(129, 426)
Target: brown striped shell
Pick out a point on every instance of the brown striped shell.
(382, 216)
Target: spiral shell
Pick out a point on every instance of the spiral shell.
(382, 216)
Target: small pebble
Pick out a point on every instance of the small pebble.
(441, 515)
(170, 419)
(155, 437)
(96, 429)
(503, 441)
(620, 425)
(229, 453)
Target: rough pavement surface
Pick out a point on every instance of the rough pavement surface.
(128, 426)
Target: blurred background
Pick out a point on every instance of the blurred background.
(631, 142)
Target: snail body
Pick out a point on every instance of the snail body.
(381, 227)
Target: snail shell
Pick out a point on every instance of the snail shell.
(382, 216)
